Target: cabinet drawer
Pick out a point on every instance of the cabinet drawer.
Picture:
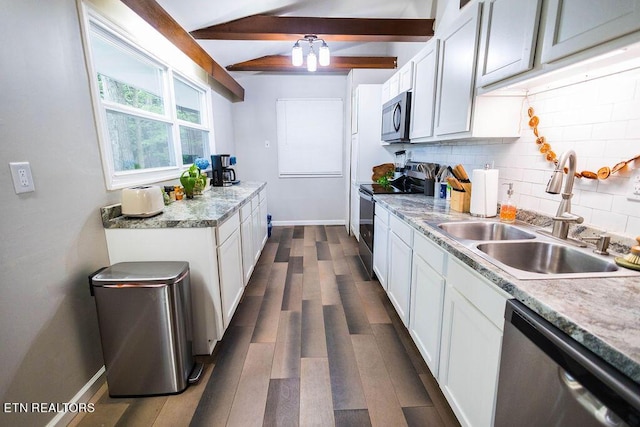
(227, 228)
(485, 296)
(382, 214)
(431, 253)
(401, 229)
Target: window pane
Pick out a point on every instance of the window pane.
(139, 143)
(127, 78)
(188, 102)
(195, 143)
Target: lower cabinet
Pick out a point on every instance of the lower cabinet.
(399, 287)
(248, 239)
(427, 300)
(380, 244)
(230, 267)
(471, 342)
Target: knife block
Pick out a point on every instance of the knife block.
(461, 200)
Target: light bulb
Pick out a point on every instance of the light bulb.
(324, 55)
(296, 55)
(312, 61)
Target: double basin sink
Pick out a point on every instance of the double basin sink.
(525, 253)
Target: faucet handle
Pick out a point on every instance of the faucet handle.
(602, 243)
(569, 217)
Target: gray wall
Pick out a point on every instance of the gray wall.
(290, 200)
(52, 238)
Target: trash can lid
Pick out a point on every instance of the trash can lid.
(142, 272)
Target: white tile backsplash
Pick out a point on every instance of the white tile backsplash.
(599, 119)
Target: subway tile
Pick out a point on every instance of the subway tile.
(633, 226)
(609, 221)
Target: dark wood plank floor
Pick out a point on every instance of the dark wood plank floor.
(313, 342)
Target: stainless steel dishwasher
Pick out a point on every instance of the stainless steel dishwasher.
(548, 379)
(144, 316)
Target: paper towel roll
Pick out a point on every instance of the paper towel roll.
(484, 197)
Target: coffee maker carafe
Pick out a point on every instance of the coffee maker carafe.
(222, 173)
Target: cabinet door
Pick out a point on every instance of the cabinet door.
(386, 92)
(263, 221)
(456, 73)
(355, 212)
(394, 85)
(427, 299)
(231, 276)
(399, 286)
(406, 77)
(247, 249)
(469, 360)
(507, 43)
(380, 253)
(424, 92)
(575, 25)
(257, 237)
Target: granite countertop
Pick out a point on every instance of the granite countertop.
(214, 205)
(603, 314)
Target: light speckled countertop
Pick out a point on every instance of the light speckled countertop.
(603, 314)
(214, 205)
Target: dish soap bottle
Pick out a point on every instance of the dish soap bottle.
(508, 208)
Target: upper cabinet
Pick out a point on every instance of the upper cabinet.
(576, 25)
(400, 81)
(456, 73)
(508, 39)
(425, 71)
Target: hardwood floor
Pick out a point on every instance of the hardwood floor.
(313, 342)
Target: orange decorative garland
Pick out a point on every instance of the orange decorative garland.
(545, 148)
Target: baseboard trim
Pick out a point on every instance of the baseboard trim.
(82, 396)
(309, 222)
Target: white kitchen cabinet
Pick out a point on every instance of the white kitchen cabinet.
(380, 244)
(575, 25)
(427, 299)
(263, 218)
(355, 212)
(230, 266)
(197, 246)
(247, 237)
(508, 39)
(399, 266)
(456, 73)
(471, 342)
(405, 77)
(256, 225)
(424, 90)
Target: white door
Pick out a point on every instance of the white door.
(424, 92)
(456, 73)
(427, 301)
(231, 276)
(575, 25)
(399, 287)
(469, 360)
(508, 40)
(380, 254)
(263, 220)
(246, 234)
(255, 225)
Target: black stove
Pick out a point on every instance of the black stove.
(402, 185)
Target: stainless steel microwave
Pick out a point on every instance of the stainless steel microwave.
(395, 118)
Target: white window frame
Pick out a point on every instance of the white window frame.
(122, 179)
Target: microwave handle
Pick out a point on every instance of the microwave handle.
(397, 117)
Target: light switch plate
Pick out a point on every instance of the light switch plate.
(22, 179)
(634, 187)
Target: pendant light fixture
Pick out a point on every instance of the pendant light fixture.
(312, 60)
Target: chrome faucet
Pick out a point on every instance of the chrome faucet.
(564, 216)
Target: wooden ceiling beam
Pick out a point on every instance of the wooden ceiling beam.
(266, 27)
(158, 18)
(339, 64)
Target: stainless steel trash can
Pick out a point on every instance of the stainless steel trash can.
(144, 316)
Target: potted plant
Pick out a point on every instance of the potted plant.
(192, 179)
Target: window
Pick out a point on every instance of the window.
(154, 121)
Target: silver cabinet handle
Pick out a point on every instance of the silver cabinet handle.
(604, 415)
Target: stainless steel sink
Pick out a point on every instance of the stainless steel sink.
(484, 230)
(546, 258)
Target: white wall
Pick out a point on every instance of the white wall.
(52, 238)
(224, 139)
(291, 200)
(599, 119)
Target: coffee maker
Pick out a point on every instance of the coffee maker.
(222, 173)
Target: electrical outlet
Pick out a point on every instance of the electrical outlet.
(634, 190)
(22, 179)
(267, 144)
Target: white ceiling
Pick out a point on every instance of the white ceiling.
(196, 14)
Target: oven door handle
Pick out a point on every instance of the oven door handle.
(365, 196)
